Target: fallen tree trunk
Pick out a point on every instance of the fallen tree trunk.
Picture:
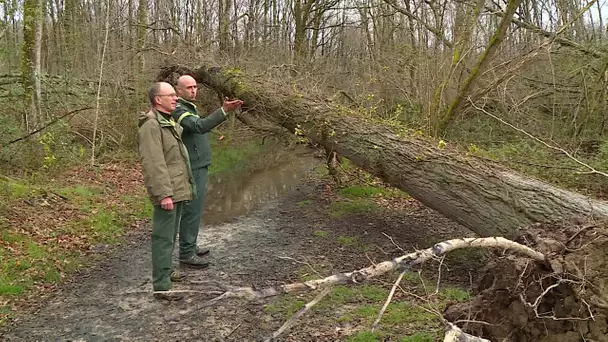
(484, 196)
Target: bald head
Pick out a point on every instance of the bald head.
(186, 87)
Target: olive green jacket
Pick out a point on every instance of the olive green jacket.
(196, 129)
(164, 158)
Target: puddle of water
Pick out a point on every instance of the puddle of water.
(238, 194)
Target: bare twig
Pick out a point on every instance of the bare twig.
(566, 153)
(300, 313)
(233, 330)
(54, 121)
(301, 262)
(585, 228)
(473, 322)
(393, 241)
(388, 301)
(439, 274)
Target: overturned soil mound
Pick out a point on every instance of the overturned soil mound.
(564, 300)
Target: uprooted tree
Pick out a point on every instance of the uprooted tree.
(560, 295)
(484, 196)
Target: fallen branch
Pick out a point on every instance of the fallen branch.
(54, 121)
(404, 262)
(387, 302)
(287, 325)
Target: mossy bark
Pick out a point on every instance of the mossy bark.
(33, 11)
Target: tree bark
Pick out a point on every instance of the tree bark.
(482, 195)
(33, 15)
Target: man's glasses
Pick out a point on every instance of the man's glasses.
(171, 95)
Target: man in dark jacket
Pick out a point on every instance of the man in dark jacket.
(168, 179)
(195, 137)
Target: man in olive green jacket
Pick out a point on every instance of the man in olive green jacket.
(196, 139)
(168, 179)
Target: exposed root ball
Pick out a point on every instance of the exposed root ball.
(526, 301)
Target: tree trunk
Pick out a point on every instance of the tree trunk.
(481, 195)
(224, 24)
(142, 20)
(33, 14)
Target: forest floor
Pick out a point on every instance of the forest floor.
(276, 227)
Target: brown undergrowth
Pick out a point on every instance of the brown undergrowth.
(47, 228)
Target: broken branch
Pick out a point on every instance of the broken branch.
(388, 301)
(287, 325)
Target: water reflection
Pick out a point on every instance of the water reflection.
(238, 194)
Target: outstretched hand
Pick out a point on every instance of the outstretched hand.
(230, 105)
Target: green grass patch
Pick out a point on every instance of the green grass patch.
(104, 226)
(12, 189)
(10, 290)
(342, 294)
(338, 209)
(80, 192)
(365, 336)
(347, 240)
(16, 190)
(305, 203)
(404, 313)
(285, 306)
(454, 294)
(27, 262)
(369, 191)
(360, 191)
(321, 233)
(356, 294)
(419, 337)
(140, 207)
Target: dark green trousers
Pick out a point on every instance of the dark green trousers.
(164, 231)
(191, 217)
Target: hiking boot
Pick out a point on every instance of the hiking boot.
(168, 296)
(202, 251)
(177, 277)
(194, 261)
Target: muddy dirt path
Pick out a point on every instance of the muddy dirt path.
(112, 301)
